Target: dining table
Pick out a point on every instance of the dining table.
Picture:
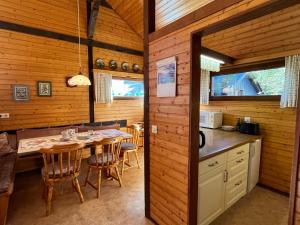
(34, 145)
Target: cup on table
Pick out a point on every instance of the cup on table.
(65, 135)
(90, 132)
(72, 133)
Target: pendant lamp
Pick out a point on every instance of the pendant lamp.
(79, 79)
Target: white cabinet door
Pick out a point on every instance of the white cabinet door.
(211, 192)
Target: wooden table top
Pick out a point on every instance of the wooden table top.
(32, 145)
(219, 141)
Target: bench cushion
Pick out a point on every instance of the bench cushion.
(7, 165)
(127, 146)
(87, 128)
(3, 140)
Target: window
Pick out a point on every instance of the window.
(267, 82)
(127, 88)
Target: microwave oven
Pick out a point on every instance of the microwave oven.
(211, 119)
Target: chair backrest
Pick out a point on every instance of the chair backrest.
(62, 160)
(135, 132)
(108, 151)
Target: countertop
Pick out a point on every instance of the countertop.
(219, 141)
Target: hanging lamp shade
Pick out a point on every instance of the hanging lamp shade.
(79, 80)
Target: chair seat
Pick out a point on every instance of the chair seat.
(125, 146)
(57, 169)
(101, 159)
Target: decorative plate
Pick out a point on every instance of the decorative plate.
(135, 68)
(113, 64)
(100, 63)
(125, 66)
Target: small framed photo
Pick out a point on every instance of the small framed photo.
(21, 92)
(166, 77)
(44, 88)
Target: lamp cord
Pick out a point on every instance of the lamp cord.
(79, 41)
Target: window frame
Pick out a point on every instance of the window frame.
(247, 68)
(127, 97)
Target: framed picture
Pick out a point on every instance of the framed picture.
(166, 77)
(44, 88)
(21, 93)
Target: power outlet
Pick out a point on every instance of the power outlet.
(154, 129)
(247, 119)
(4, 115)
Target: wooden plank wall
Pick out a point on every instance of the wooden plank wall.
(27, 58)
(169, 148)
(167, 11)
(111, 28)
(132, 12)
(271, 36)
(58, 16)
(278, 129)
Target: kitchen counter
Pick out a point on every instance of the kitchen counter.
(219, 141)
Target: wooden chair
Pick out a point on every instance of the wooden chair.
(106, 157)
(131, 145)
(61, 163)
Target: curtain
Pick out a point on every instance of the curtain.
(103, 88)
(204, 87)
(210, 64)
(289, 97)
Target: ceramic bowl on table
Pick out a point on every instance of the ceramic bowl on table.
(228, 128)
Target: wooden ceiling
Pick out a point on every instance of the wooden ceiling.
(271, 36)
(132, 12)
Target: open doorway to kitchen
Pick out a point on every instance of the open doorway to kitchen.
(247, 59)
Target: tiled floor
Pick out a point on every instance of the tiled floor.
(116, 206)
(259, 207)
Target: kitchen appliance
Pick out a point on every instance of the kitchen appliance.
(202, 139)
(254, 164)
(211, 119)
(249, 128)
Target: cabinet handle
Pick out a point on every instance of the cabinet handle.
(239, 161)
(213, 164)
(225, 176)
(239, 183)
(241, 152)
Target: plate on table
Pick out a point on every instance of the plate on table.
(64, 139)
(83, 137)
(228, 128)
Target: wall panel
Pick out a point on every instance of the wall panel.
(26, 59)
(112, 29)
(58, 16)
(167, 11)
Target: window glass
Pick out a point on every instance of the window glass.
(127, 88)
(254, 83)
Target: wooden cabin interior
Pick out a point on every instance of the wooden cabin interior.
(149, 112)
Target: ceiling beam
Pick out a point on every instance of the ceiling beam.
(217, 55)
(93, 18)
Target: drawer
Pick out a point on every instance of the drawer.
(235, 189)
(212, 163)
(237, 165)
(236, 152)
